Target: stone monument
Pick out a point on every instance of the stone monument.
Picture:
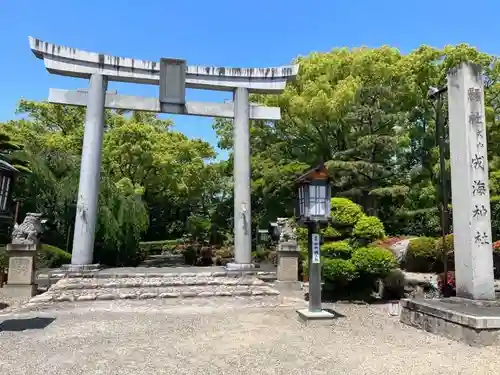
(22, 257)
(288, 252)
(172, 76)
(474, 315)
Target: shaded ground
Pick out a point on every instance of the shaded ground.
(225, 337)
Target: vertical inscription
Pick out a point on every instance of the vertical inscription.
(479, 215)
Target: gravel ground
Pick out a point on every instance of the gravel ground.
(226, 336)
(8, 304)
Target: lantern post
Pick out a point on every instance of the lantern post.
(8, 175)
(312, 210)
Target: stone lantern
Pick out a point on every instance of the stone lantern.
(7, 177)
(313, 210)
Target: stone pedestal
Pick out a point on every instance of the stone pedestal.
(469, 184)
(21, 276)
(288, 262)
(322, 318)
(240, 266)
(473, 322)
(81, 267)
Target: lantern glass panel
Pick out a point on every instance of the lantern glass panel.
(319, 200)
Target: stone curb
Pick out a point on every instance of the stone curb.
(64, 297)
(75, 284)
(106, 275)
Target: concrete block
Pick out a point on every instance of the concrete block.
(475, 323)
(321, 318)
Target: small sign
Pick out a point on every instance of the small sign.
(172, 81)
(315, 248)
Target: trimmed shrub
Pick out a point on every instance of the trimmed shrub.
(451, 286)
(190, 255)
(337, 249)
(260, 254)
(421, 255)
(339, 272)
(301, 233)
(394, 285)
(373, 262)
(52, 257)
(345, 212)
(330, 234)
(159, 246)
(450, 248)
(4, 259)
(449, 244)
(224, 252)
(305, 267)
(368, 228)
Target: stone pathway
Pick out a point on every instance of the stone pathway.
(220, 336)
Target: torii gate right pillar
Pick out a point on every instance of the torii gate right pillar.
(242, 181)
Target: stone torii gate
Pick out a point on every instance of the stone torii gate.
(173, 76)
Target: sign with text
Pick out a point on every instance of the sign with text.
(315, 248)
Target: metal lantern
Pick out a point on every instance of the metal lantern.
(7, 176)
(274, 231)
(313, 196)
(263, 235)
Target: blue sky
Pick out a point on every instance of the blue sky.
(229, 33)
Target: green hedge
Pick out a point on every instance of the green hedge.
(158, 246)
(368, 228)
(373, 262)
(366, 264)
(329, 233)
(421, 255)
(52, 257)
(345, 212)
(339, 272)
(337, 249)
(425, 254)
(4, 259)
(450, 246)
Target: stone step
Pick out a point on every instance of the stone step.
(205, 291)
(154, 282)
(103, 274)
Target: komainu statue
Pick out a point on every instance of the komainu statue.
(29, 231)
(287, 232)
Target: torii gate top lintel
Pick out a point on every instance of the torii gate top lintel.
(73, 62)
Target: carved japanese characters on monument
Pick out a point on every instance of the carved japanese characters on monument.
(28, 232)
(480, 214)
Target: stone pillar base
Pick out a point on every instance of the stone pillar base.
(474, 322)
(80, 267)
(315, 317)
(240, 266)
(19, 290)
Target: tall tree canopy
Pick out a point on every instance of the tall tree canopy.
(363, 111)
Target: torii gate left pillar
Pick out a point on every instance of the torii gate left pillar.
(173, 76)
